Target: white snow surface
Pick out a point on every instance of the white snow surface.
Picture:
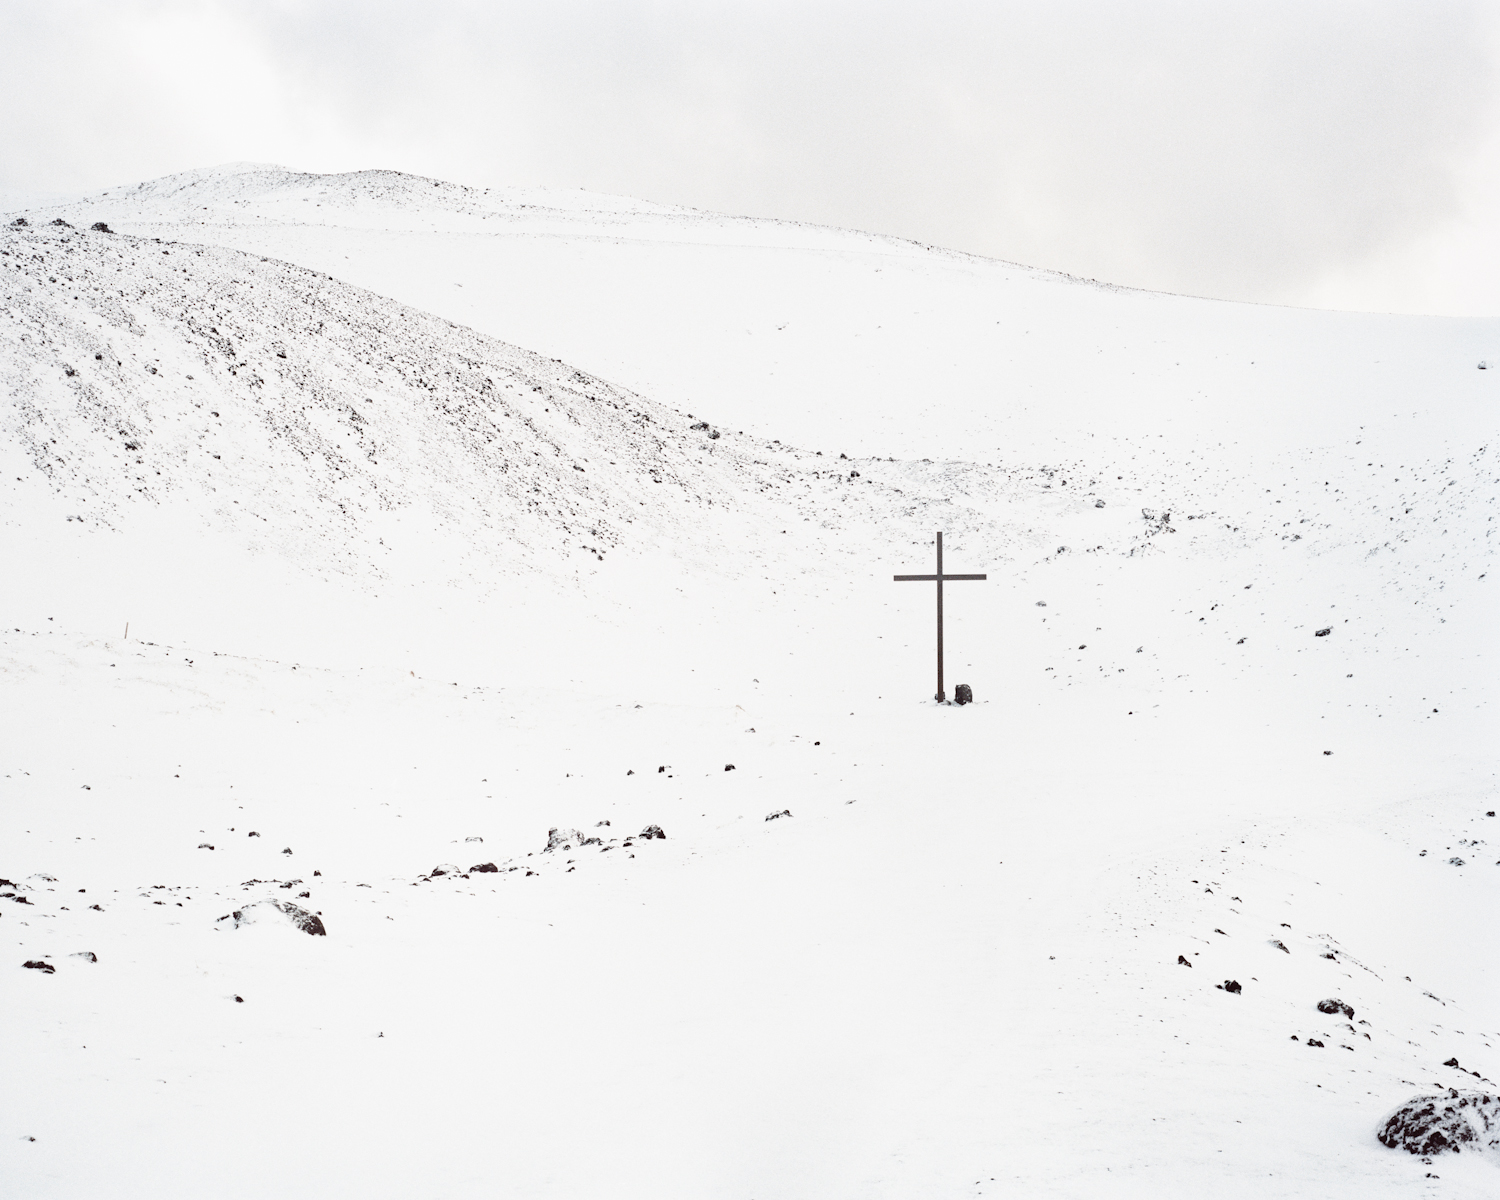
(395, 584)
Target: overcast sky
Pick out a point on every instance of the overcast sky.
(1338, 154)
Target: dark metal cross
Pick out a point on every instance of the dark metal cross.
(940, 579)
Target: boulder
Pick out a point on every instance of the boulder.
(309, 923)
(1335, 1005)
(100, 227)
(35, 964)
(651, 831)
(963, 694)
(1456, 1121)
(484, 869)
(444, 869)
(562, 839)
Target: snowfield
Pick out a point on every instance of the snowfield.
(1196, 894)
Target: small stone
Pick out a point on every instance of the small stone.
(963, 694)
(1231, 985)
(100, 227)
(1335, 1005)
(1280, 945)
(86, 955)
(252, 833)
(20, 223)
(58, 221)
(286, 849)
(1183, 962)
(205, 846)
(483, 869)
(729, 766)
(473, 839)
(35, 964)
(1098, 503)
(1324, 632)
(1315, 1042)
(651, 831)
(776, 816)
(444, 869)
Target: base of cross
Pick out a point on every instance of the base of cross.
(962, 694)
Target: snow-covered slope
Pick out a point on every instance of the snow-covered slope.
(409, 585)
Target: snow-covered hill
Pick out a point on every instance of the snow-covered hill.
(396, 585)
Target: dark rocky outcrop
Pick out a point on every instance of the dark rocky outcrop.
(1433, 1124)
(1335, 1005)
(651, 831)
(484, 869)
(562, 839)
(36, 964)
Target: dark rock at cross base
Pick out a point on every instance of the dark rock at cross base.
(1231, 985)
(963, 694)
(1183, 962)
(38, 965)
(1334, 1005)
(1433, 1124)
(652, 831)
(100, 227)
(484, 869)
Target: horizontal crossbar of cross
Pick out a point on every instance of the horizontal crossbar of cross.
(933, 578)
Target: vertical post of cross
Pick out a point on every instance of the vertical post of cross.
(941, 693)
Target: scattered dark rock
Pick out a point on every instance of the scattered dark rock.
(205, 846)
(484, 869)
(36, 964)
(651, 831)
(729, 766)
(96, 908)
(86, 955)
(785, 812)
(473, 839)
(1332, 1006)
(20, 223)
(963, 694)
(1434, 1124)
(1183, 962)
(252, 833)
(239, 999)
(58, 221)
(1315, 1042)
(1098, 503)
(1280, 945)
(444, 869)
(1231, 985)
(100, 227)
(1324, 632)
(286, 849)
(601, 824)
(1452, 1062)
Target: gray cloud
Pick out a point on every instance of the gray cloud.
(1244, 150)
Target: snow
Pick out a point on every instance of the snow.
(412, 585)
